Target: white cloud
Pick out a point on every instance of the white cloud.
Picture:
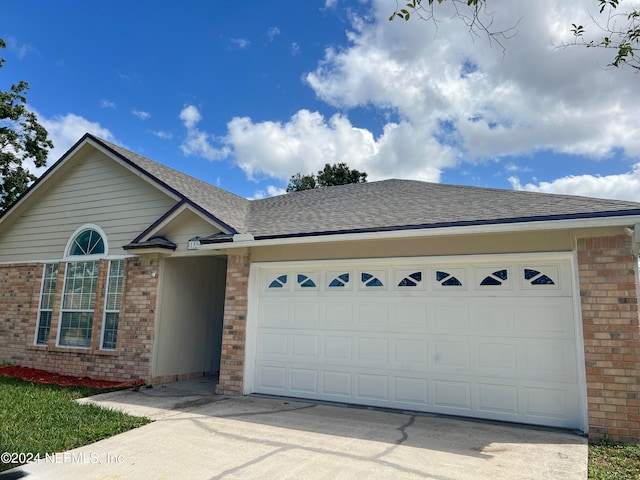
(20, 51)
(308, 141)
(270, 191)
(295, 49)
(190, 115)
(104, 103)
(162, 134)
(625, 186)
(272, 33)
(240, 42)
(142, 115)
(197, 142)
(531, 97)
(65, 131)
(453, 97)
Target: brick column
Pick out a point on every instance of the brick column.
(608, 292)
(234, 325)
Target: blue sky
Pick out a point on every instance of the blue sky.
(245, 94)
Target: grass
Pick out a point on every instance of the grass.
(612, 461)
(44, 419)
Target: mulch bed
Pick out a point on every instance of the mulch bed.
(41, 376)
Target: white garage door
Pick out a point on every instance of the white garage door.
(484, 338)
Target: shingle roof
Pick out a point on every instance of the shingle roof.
(223, 206)
(401, 204)
(369, 207)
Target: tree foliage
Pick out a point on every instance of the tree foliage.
(619, 27)
(330, 175)
(22, 139)
(621, 33)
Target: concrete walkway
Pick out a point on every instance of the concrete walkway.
(199, 435)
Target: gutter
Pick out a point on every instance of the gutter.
(246, 240)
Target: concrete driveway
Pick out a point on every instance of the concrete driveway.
(198, 435)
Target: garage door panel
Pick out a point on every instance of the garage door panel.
(410, 314)
(425, 337)
(372, 350)
(410, 354)
(303, 380)
(274, 313)
(411, 391)
(373, 314)
(272, 378)
(372, 387)
(338, 315)
(451, 355)
(450, 316)
(545, 402)
(497, 358)
(502, 399)
(273, 345)
(306, 315)
(552, 319)
(305, 347)
(336, 384)
(554, 361)
(497, 317)
(337, 348)
(452, 395)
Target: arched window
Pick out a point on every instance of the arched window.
(87, 242)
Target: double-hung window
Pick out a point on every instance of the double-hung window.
(45, 311)
(112, 305)
(79, 298)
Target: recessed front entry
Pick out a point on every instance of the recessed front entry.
(491, 338)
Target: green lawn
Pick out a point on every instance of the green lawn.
(610, 461)
(41, 419)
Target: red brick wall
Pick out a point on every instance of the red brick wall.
(608, 292)
(19, 296)
(234, 325)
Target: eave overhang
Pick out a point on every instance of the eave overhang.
(558, 222)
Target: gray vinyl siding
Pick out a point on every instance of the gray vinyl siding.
(97, 190)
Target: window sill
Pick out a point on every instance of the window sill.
(83, 351)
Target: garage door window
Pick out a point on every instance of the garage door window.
(340, 280)
(370, 280)
(495, 279)
(411, 280)
(537, 278)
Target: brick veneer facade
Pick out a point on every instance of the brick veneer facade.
(234, 325)
(608, 292)
(20, 286)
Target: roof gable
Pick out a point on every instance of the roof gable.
(387, 205)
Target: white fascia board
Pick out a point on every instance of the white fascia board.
(549, 225)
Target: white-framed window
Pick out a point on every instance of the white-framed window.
(85, 284)
(112, 304)
(45, 308)
(78, 301)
